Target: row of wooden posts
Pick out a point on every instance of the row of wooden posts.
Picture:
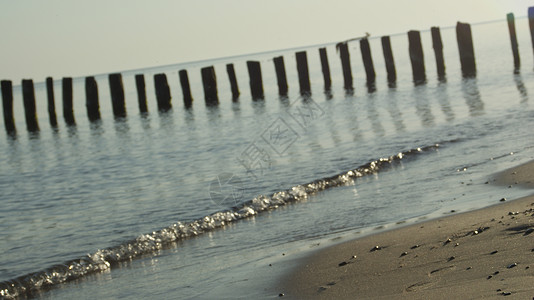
(163, 95)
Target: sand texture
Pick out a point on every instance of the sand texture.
(482, 254)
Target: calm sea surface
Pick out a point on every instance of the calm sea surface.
(215, 202)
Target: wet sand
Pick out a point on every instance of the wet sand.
(482, 254)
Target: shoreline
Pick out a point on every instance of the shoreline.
(480, 254)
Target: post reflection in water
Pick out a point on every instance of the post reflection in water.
(394, 111)
(521, 88)
(472, 96)
(308, 126)
(373, 115)
(352, 120)
(284, 103)
(443, 99)
(236, 109)
(332, 126)
(96, 128)
(422, 105)
(122, 128)
(258, 106)
(166, 120)
(145, 121)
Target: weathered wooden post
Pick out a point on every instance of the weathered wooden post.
(117, 95)
(186, 90)
(28, 95)
(437, 45)
(513, 40)
(466, 49)
(345, 64)
(91, 99)
(209, 80)
(365, 49)
(280, 69)
(233, 81)
(531, 24)
(256, 82)
(388, 58)
(417, 57)
(51, 102)
(325, 68)
(68, 111)
(7, 101)
(141, 93)
(163, 92)
(304, 75)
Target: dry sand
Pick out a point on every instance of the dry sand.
(482, 254)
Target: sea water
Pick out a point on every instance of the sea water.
(218, 202)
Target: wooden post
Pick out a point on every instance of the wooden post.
(465, 47)
(416, 57)
(68, 111)
(513, 40)
(28, 95)
(209, 81)
(531, 24)
(325, 67)
(365, 49)
(280, 69)
(233, 81)
(117, 95)
(345, 64)
(186, 90)
(51, 102)
(388, 58)
(91, 99)
(256, 82)
(304, 75)
(163, 92)
(141, 93)
(437, 45)
(7, 101)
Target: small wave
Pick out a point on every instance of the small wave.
(106, 259)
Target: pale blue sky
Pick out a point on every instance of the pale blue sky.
(75, 38)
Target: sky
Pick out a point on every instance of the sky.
(62, 38)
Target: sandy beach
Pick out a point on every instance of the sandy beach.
(482, 254)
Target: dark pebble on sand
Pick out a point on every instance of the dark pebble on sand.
(496, 272)
(469, 268)
(414, 246)
(376, 248)
(451, 258)
(512, 266)
(281, 295)
(403, 254)
(506, 293)
(494, 252)
(529, 231)
(489, 277)
(343, 263)
(502, 199)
